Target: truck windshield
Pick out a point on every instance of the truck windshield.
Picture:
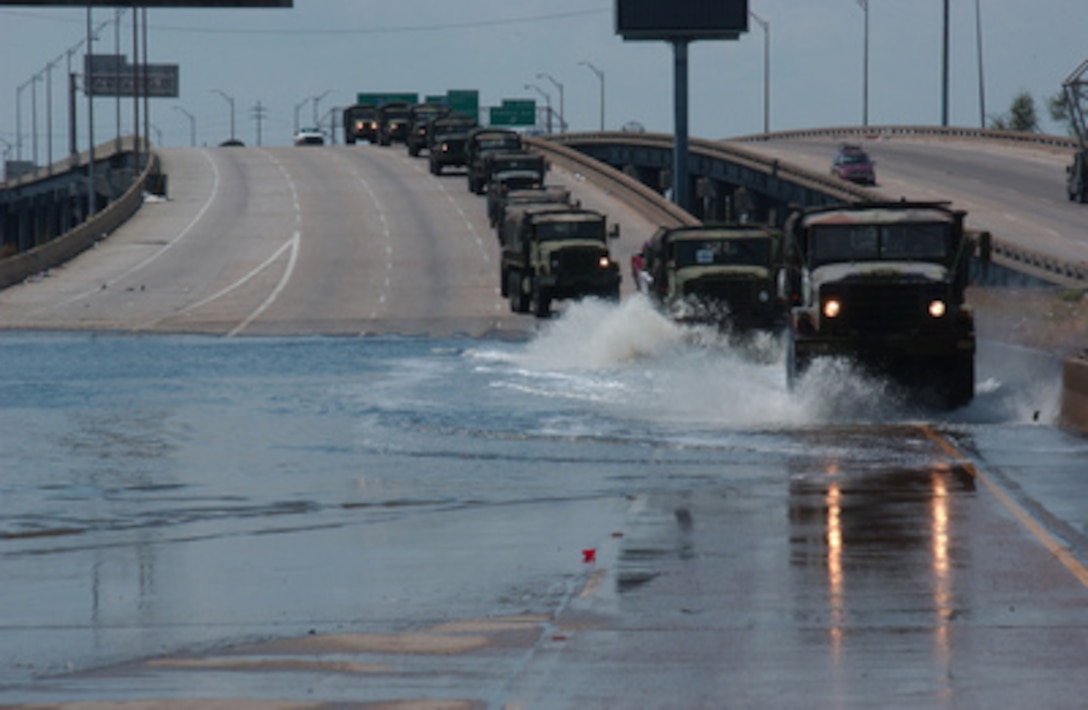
(548, 231)
(879, 242)
(723, 252)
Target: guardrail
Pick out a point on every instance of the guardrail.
(1003, 252)
(630, 191)
(19, 267)
(958, 133)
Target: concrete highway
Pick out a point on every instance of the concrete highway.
(331, 240)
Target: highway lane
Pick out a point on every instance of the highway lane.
(329, 240)
(1015, 191)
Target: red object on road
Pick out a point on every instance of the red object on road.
(589, 555)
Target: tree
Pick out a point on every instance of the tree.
(1021, 116)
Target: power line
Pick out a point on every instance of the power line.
(405, 29)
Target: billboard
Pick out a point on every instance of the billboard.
(153, 3)
(681, 19)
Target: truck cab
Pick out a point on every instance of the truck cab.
(552, 252)
(446, 143)
(882, 284)
(482, 143)
(723, 275)
(393, 122)
(361, 123)
(419, 116)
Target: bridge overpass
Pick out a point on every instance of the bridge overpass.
(1010, 183)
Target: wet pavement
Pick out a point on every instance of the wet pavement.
(615, 515)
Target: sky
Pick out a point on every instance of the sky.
(281, 59)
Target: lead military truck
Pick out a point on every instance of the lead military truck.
(552, 252)
(882, 284)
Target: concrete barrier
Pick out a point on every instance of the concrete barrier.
(17, 268)
(1074, 413)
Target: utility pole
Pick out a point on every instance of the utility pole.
(944, 69)
(259, 113)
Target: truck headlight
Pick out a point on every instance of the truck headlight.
(937, 309)
(832, 308)
(604, 262)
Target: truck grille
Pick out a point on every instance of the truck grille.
(736, 292)
(883, 308)
(578, 261)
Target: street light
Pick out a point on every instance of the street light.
(230, 100)
(548, 99)
(600, 76)
(981, 83)
(562, 114)
(317, 100)
(298, 107)
(766, 27)
(864, 4)
(192, 125)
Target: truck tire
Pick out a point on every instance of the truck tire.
(519, 301)
(541, 302)
(957, 382)
(796, 363)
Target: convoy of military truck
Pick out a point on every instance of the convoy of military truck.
(881, 284)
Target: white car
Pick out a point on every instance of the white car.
(310, 136)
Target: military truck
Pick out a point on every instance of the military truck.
(723, 275)
(555, 195)
(883, 284)
(419, 115)
(512, 171)
(393, 122)
(361, 123)
(446, 141)
(551, 253)
(483, 142)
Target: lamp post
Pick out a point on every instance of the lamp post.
(298, 107)
(864, 4)
(19, 117)
(230, 100)
(317, 100)
(766, 27)
(547, 99)
(600, 77)
(72, 148)
(562, 114)
(192, 125)
(981, 83)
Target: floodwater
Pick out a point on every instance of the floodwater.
(162, 494)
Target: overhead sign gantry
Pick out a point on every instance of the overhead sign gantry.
(679, 22)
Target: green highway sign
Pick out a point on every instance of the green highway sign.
(377, 99)
(466, 102)
(514, 112)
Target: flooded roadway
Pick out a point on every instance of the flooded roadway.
(612, 512)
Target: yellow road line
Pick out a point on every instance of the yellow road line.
(1018, 511)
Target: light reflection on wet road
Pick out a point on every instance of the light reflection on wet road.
(365, 520)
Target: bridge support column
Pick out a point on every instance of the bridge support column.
(680, 182)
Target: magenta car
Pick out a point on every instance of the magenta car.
(853, 164)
